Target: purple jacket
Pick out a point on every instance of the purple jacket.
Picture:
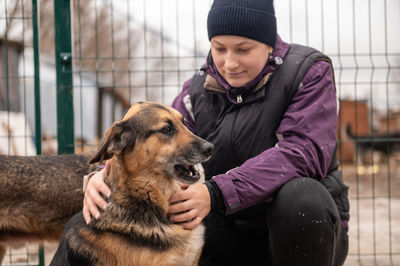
(306, 146)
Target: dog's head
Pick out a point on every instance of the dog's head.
(151, 138)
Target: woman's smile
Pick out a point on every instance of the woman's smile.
(234, 75)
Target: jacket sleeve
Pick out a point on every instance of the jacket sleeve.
(183, 104)
(305, 149)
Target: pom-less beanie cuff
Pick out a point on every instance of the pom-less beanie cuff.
(242, 20)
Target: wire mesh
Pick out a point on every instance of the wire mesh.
(17, 132)
(130, 50)
(15, 137)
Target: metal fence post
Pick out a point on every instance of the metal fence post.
(38, 132)
(65, 112)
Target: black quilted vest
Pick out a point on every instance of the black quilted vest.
(227, 125)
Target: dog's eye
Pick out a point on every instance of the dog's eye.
(167, 130)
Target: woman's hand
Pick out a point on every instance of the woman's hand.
(190, 206)
(93, 200)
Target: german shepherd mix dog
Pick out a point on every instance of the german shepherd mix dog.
(151, 151)
(38, 195)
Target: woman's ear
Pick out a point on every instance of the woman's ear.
(270, 50)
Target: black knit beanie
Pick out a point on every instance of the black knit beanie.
(254, 19)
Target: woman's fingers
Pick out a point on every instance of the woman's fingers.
(190, 206)
(192, 223)
(94, 192)
(89, 210)
(183, 186)
(93, 199)
(189, 220)
(184, 216)
(86, 213)
(179, 206)
(98, 182)
(178, 197)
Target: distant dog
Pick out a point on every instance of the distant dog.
(38, 194)
(150, 150)
(385, 144)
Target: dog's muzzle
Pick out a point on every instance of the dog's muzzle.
(187, 171)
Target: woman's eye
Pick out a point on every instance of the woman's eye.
(244, 50)
(220, 50)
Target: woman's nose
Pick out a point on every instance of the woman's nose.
(231, 61)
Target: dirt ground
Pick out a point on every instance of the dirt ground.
(374, 234)
(375, 214)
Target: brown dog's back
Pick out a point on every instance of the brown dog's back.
(38, 194)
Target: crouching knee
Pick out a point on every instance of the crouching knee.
(303, 223)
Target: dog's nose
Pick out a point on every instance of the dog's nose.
(207, 148)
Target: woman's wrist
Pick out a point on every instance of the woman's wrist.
(216, 198)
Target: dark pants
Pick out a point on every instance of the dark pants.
(299, 226)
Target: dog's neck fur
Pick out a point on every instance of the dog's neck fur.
(141, 204)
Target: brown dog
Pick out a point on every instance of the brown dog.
(38, 195)
(150, 150)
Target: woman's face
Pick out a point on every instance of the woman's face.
(238, 59)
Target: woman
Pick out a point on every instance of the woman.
(270, 109)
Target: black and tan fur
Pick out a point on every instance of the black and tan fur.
(38, 195)
(150, 150)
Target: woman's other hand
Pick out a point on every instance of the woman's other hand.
(190, 206)
(93, 199)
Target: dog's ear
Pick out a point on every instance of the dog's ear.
(118, 137)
